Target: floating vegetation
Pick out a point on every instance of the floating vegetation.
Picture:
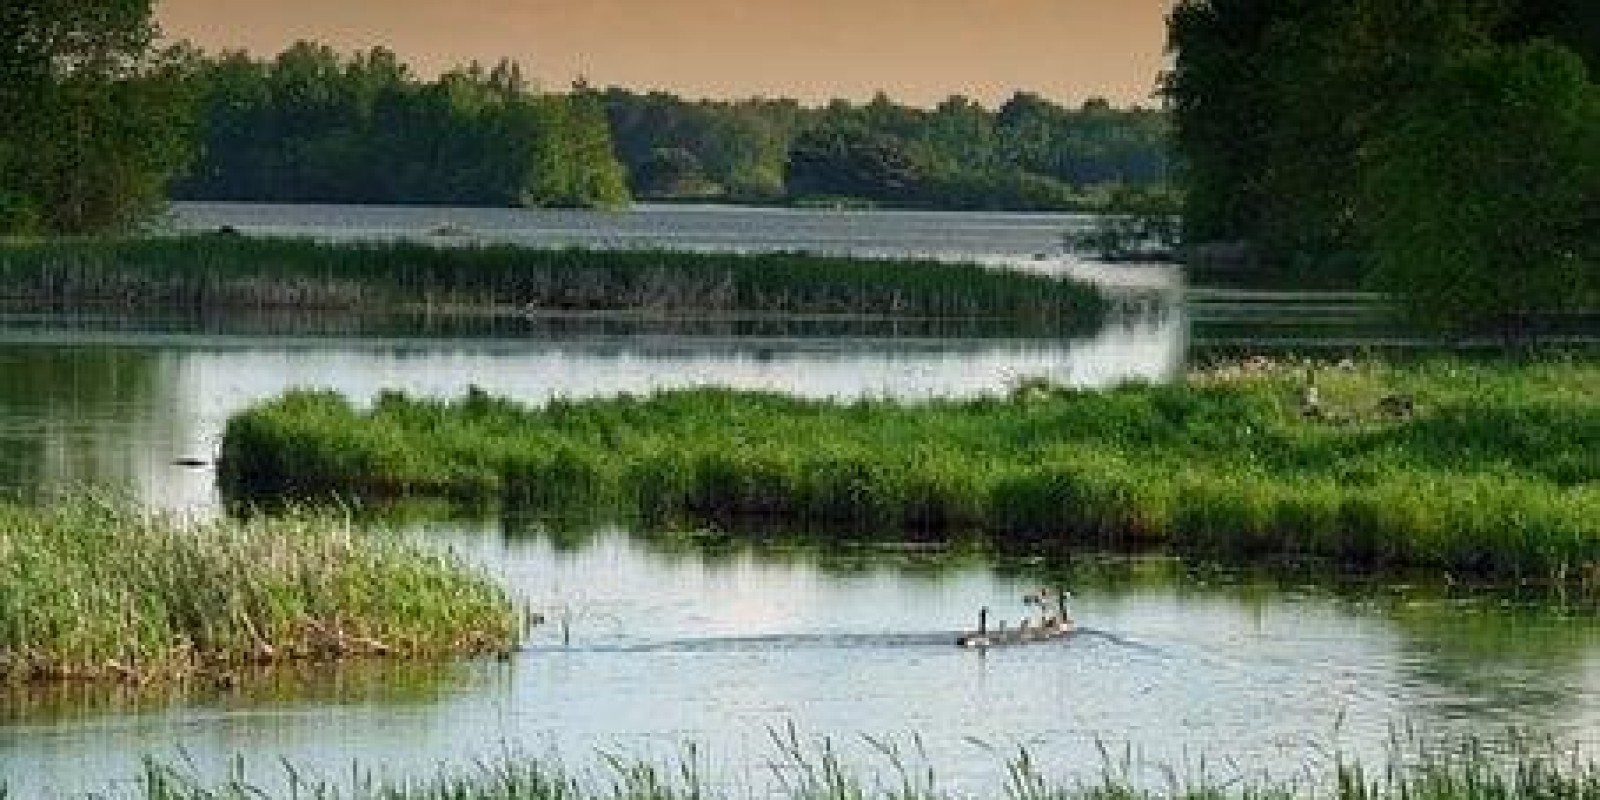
(1482, 468)
(216, 272)
(91, 590)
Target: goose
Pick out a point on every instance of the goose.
(1063, 621)
(1025, 631)
(980, 638)
(1041, 598)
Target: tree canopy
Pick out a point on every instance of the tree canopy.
(312, 125)
(1030, 153)
(96, 117)
(1482, 229)
(1370, 133)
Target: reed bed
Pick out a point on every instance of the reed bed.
(893, 770)
(215, 272)
(93, 590)
(1493, 472)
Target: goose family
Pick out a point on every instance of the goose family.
(1046, 627)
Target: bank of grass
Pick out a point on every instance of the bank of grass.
(93, 590)
(1494, 474)
(219, 272)
(1466, 770)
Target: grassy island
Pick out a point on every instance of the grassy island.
(95, 591)
(235, 272)
(1482, 468)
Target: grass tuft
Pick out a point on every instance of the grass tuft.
(92, 590)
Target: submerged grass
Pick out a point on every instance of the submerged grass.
(1495, 472)
(97, 591)
(819, 770)
(213, 272)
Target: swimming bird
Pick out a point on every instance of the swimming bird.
(1063, 621)
(1025, 632)
(980, 638)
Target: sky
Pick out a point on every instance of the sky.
(918, 51)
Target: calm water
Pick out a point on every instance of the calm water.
(646, 225)
(677, 643)
(674, 641)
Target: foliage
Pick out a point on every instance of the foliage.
(1324, 133)
(851, 161)
(98, 591)
(1493, 474)
(1029, 154)
(1484, 201)
(673, 172)
(311, 125)
(1135, 224)
(96, 121)
(314, 126)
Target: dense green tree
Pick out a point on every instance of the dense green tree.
(1222, 110)
(965, 157)
(673, 172)
(312, 125)
(96, 117)
(1337, 74)
(1482, 199)
(1326, 134)
(853, 161)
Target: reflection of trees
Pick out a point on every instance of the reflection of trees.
(1459, 662)
(356, 683)
(63, 412)
(1523, 666)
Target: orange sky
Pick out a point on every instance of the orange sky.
(917, 50)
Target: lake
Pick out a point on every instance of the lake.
(677, 639)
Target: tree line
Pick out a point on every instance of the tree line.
(1447, 149)
(313, 125)
(1030, 153)
(104, 123)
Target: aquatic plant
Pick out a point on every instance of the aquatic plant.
(95, 590)
(1492, 472)
(216, 272)
(807, 769)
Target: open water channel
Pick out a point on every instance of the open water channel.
(719, 642)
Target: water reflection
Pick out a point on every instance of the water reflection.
(672, 641)
(31, 709)
(70, 416)
(116, 402)
(715, 638)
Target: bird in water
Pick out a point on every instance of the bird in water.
(979, 638)
(1049, 625)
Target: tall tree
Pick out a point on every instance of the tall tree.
(315, 125)
(1222, 107)
(97, 119)
(1427, 137)
(1483, 201)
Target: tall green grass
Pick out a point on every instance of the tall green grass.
(1495, 474)
(91, 590)
(818, 770)
(211, 272)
